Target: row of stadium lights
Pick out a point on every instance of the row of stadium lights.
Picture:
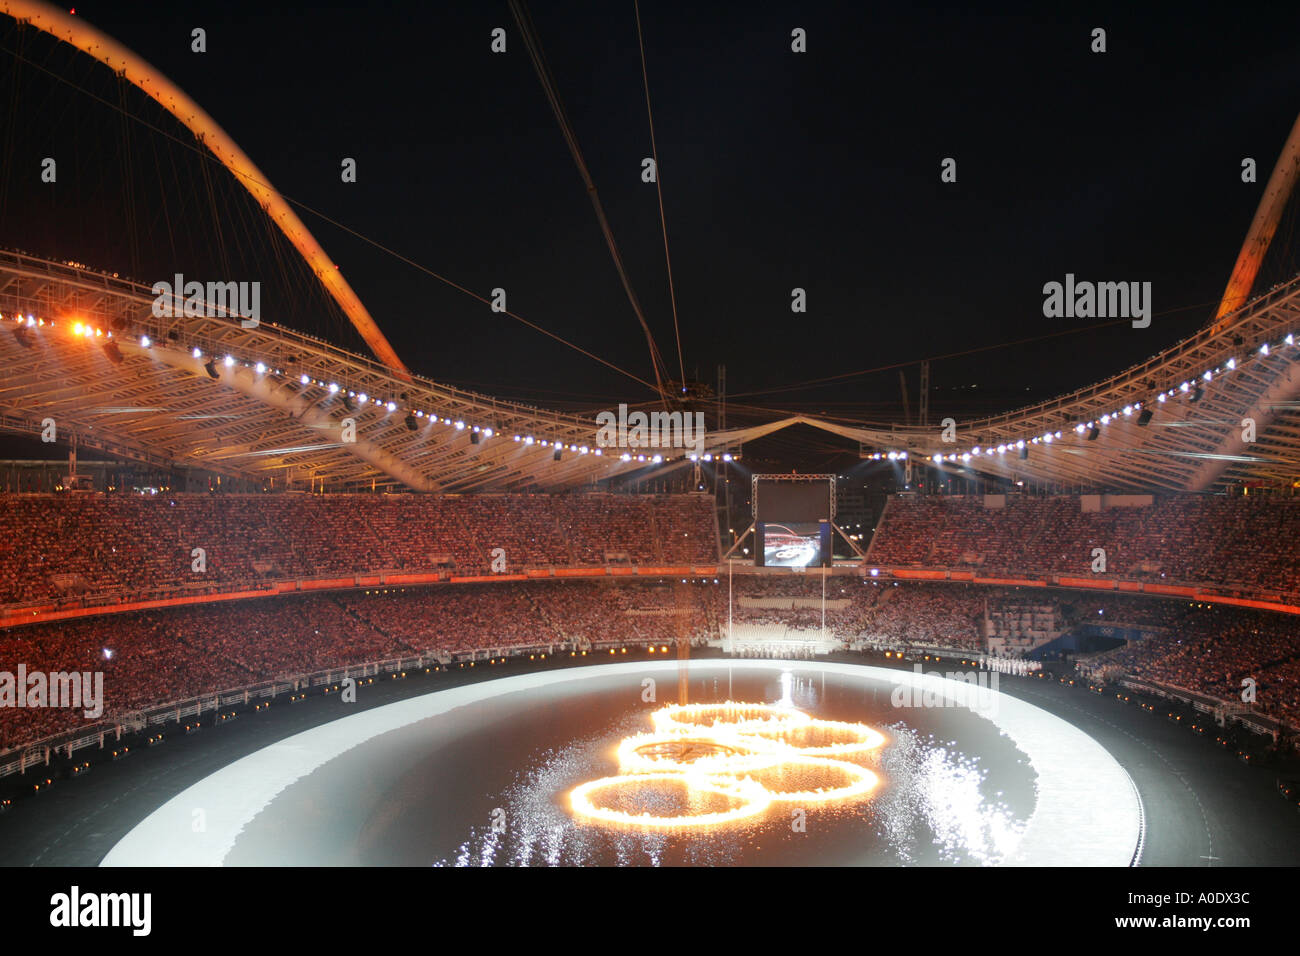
(229, 361)
(1191, 386)
(362, 398)
(626, 456)
(80, 329)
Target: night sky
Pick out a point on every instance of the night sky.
(819, 170)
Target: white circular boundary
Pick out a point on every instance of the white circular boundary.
(1087, 811)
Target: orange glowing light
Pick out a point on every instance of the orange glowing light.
(718, 751)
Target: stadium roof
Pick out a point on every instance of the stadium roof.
(278, 406)
(1224, 407)
(269, 403)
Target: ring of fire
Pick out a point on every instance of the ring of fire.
(717, 749)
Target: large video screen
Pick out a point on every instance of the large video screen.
(785, 501)
(797, 544)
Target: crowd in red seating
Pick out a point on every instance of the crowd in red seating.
(52, 547)
(152, 657)
(1243, 543)
(57, 547)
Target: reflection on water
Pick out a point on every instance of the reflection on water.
(938, 802)
(940, 790)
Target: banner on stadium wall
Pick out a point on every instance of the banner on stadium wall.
(1096, 584)
(921, 575)
(1169, 589)
(1113, 631)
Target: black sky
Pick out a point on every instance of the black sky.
(818, 170)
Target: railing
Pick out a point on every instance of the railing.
(106, 602)
(141, 294)
(1231, 711)
(1211, 593)
(40, 752)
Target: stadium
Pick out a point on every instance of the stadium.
(270, 595)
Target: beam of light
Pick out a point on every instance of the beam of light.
(718, 750)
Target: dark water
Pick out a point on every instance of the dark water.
(485, 785)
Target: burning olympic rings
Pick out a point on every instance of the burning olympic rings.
(718, 749)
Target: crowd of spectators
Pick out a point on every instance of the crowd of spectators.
(153, 657)
(59, 547)
(56, 547)
(1246, 544)
(157, 656)
(1209, 650)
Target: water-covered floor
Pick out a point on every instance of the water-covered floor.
(481, 775)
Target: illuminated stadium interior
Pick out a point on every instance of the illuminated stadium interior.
(248, 560)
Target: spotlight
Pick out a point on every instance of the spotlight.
(1197, 394)
(1093, 432)
(145, 342)
(558, 453)
(112, 351)
(1144, 417)
(348, 403)
(210, 366)
(475, 438)
(411, 422)
(1024, 452)
(24, 338)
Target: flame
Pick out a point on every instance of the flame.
(718, 749)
